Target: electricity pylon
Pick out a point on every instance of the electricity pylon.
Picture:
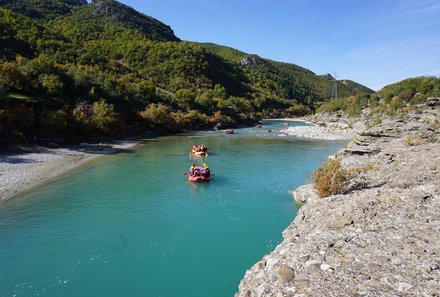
(334, 88)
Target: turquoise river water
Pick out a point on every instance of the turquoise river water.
(131, 225)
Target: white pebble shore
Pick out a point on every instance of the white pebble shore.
(26, 170)
(317, 132)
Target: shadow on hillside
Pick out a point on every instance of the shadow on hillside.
(100, 149)
(18, 160)
(22, 154)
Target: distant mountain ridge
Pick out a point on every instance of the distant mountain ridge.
(129, 17)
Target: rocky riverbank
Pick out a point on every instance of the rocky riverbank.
(319, 133)
(381, 235)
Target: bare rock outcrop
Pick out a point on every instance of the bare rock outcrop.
(248, 61)
(381, 237)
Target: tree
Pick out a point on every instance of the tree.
(206, 101)
(55, 123)
(298, 110)
(186, 98)
(145, 91)
(240, 105)
(83, 117)
(16, 123)
(10, 77)
(52, 83)
(104, 116)
(157, 116)
(220, 91)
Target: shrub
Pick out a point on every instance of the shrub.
(418, 99)
(330, 178)
(377, 121)
(299, 110)
(405, 96)
(356, 104)
(412, 140)
(374, 101)
(334, 105)
(396, 104)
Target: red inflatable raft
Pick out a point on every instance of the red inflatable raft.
(198, 178)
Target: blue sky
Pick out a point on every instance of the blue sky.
(373, 42)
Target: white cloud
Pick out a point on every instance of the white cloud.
(418, 9)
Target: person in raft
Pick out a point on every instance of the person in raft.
(206, 172)
(191, 169)
(203, 148)
(194, 171)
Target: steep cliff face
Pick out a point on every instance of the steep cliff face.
(129, 17)
(381, 237)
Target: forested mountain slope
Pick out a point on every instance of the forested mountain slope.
(42, 9)
(104, 69)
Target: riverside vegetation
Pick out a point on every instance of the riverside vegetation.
(70, 70)
(395, 99)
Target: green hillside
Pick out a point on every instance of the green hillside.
(287, 80)
(405, 94)
(393, 99)
(104, 69)
(227, 53)
(42, 9)
(102, 12)
(356, 87)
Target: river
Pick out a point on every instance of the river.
(131, 225)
